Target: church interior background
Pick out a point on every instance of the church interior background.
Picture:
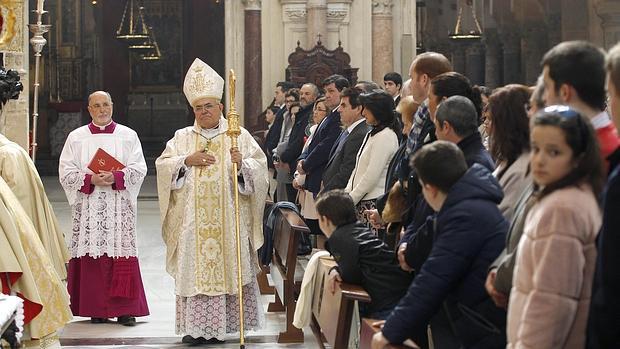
(255, 38)
(258, 39)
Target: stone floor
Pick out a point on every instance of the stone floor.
(156, 330)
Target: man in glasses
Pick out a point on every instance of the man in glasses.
(104, 275)
(196, 196)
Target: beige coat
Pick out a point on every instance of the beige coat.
(553, 275)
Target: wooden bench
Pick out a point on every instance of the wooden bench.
(332, 323)
(286, 234)
(368, 330)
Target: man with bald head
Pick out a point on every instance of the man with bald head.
(104, 275)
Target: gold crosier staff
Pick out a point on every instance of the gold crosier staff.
(233, 132)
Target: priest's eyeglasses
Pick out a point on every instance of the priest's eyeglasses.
(104, 105)
(205, 107)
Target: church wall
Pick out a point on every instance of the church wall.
(284, 22)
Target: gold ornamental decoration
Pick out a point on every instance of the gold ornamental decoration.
(11, 22)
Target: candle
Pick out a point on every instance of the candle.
(40, 5)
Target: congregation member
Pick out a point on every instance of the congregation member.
(20, 174)
(362, 258)
(367, 180)
(272, 138)
(392, 83)
(290, 153)
(603, 329)
(284, 177)
(104, 278)
(556, 255)
(314, 158)
(455, 110)
(469, 233)
(574, 75)
(196, 196)
(424, 68)
(508, 126)
(343, 153)
(306, 197)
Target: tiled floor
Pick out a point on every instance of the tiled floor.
(157, 329)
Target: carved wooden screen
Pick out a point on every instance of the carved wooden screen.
(318, 63)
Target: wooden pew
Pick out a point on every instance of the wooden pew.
(332, 314)
(368, 330)
(333, 322)
(287, 230)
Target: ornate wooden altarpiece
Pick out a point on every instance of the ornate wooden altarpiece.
(318, 63)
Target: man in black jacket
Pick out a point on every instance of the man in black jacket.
(362, 258)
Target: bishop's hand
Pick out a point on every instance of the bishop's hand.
(200, 158)
(236, 156)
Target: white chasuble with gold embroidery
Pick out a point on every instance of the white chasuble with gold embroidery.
(198, 213)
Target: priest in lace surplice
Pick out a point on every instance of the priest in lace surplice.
(104, 278)
(196, 197)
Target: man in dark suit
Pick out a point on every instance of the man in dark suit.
(312, 162)
(342, 156)
(273, 136)
(307, 95)
(392, 83)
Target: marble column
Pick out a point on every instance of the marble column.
(382, 44)
(492, 70)
(316, 22)
(512, 59)
(609, 11)
(474, 63)
(253, 66)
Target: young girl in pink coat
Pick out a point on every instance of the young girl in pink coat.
(556, 256)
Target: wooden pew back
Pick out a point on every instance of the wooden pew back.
(286, 235)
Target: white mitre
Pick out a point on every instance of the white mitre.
(201, 81)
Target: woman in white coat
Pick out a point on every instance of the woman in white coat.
(367, 181)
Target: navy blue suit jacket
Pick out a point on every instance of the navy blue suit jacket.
(317, 154)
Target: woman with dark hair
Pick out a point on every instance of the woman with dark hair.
(556, 255)
(507, 124)
(453, 84)
(367, 181)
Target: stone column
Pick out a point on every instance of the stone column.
(512, 58)
(382, 45)
(492, 73)
(316, 22)
(609, 11)
(474, 63)
(534, 47)
(458, 57)
(252, 66)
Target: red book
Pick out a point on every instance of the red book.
(103, 161)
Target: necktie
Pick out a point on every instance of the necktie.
(340, 142)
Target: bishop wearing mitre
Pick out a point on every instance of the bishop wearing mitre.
(196, 198)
